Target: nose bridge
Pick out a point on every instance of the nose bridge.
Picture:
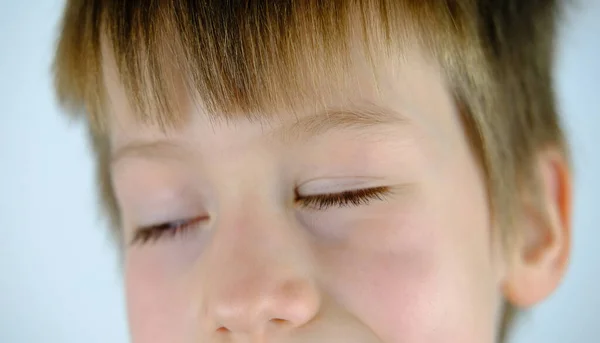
(257, 275)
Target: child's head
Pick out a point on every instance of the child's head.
(368, 171)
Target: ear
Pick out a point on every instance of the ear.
(537, 263)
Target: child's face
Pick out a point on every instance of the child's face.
(258, 256)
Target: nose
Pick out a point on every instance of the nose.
(258, 282)
(257, 306)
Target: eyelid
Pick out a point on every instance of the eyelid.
(337, 185)
(152, 233)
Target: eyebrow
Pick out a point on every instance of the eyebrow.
(159, 148)
(360, 118)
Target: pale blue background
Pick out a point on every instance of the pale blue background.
(58, 275)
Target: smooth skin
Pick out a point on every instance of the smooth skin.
(421, 264)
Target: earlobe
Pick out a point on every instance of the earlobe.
(538, 262)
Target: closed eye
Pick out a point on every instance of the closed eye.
(153, 233)
(352, 198)
(320, 202)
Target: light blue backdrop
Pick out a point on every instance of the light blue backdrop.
(58, 276)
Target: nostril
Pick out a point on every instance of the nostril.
(278, 321)
(278, 324)
(222, 329)
(275, 321)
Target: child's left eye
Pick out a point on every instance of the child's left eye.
(357, 197)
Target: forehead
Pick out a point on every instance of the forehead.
(408, 87)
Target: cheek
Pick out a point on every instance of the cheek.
(158, 307)
(416, 278)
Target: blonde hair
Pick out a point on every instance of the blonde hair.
(251, 57)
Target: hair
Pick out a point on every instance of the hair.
(252, 57)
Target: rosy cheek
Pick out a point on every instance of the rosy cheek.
(391, 292)
(157, 306)
(404, 281)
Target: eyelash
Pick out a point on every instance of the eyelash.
(171, 229)
(321, 202)
(358, 197)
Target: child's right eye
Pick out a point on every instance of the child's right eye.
(155, 232)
